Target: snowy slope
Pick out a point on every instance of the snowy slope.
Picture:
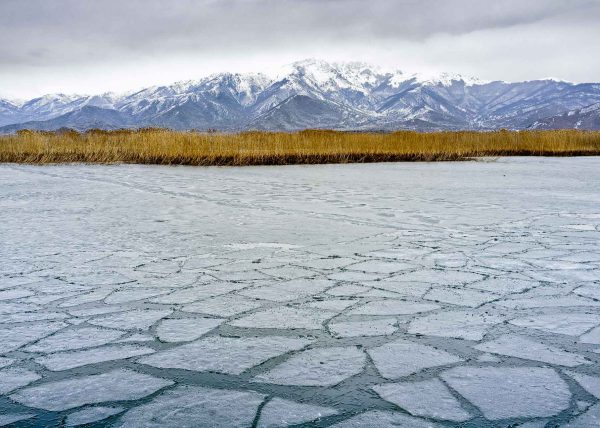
(317, 94)
(585, 118)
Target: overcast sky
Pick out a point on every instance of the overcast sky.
(89, 46)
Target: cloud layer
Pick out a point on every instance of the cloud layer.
(74, 45)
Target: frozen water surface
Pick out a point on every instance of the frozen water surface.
(522, 347)
(130, 320)
(115, 385)
(282, 413)
(376, 418)
(393, 307)
(4, 362)
(572, 324)
(186, 329)
(90, 415)
(317, 367)
(402, 358)
(11, 418)
(11, 379)
(78, 338)
(285, 318)
(69, 360)
(225, 354)
(380, 327)
(385, 295)
(189, 407)
(502, 393)
(13, 336)
(591, 418)
(428, 398)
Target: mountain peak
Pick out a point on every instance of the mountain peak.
(320, 94)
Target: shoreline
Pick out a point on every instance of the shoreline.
(164, 147)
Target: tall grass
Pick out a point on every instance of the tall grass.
(157, 146)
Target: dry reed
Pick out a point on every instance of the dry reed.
(157, 146)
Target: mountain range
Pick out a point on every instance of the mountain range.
(318, 94)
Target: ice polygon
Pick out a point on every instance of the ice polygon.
(384, 267)
(132, 294)
(384, 419)
(379, 293)
(393, 307)
(91, 414)
(337, 305)
(379, 327)
(402, 358)
(428, 398)
(285, 318)
(440, 277)
(353, 276)
(511, 392)
(592, 337)
(547, 302)
(191, 406)
(14, 294)
(5, 362)
(249, 275)
(347, 290)
(10, 307)
(504, 285)
(199, 292)
(98, 310)
(84, 337)
(55, 286)
(13, 378)
(327, 263)
(14, 336)
(224, 306)
(186, 329)
(11, 418)
(161, 267)
(590, 383)
(32, 316)
(282, 413)
(116, 385)
(522, 347)
(289, 290)
(590, 290)
(171, 281)
(68, 360)
(288, 272)
(409, 289)
(591, 418)
(460, 296)
(317, 367)
(469, 325)
(224, 354)
(136, 319)
(135, 337)
(573, 324)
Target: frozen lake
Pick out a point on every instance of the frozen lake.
(417, 295)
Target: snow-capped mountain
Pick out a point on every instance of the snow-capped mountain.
(317, 94)
(585, 118)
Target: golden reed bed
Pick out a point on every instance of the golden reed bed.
(164, 147)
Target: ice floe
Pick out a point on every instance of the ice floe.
(224, 354)
(116, 385)
(511, 392)
(317, 367)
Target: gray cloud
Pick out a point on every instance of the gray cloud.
(38, 34)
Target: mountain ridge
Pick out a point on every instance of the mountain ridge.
(317, 94)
